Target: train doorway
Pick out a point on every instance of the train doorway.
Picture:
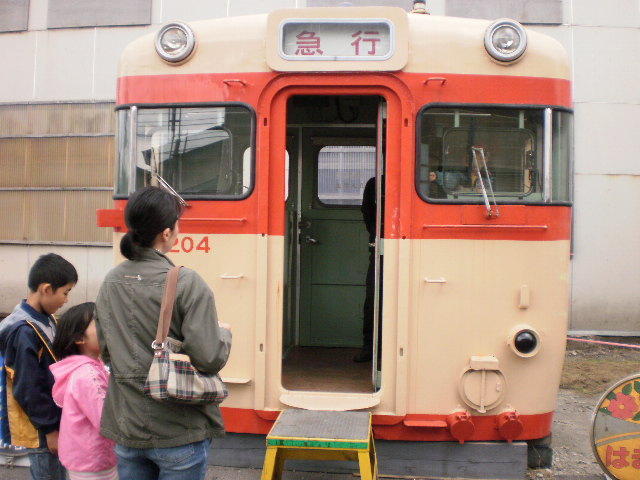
(335, 148)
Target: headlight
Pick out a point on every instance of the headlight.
(524, 341)
(175, 42)
(505, 40)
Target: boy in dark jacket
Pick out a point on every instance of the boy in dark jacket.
(25, 343)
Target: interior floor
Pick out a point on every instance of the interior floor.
(326, 369)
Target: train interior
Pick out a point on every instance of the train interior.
(332, 152)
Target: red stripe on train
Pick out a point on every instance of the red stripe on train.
(516, 222)
(387, 427)
(247, 87)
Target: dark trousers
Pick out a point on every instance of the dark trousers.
(368, 310)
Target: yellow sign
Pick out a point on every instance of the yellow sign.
(616, 430)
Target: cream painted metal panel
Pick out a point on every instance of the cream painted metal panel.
(12, 216)
(454, 45)
(65, 60)
(619, 13)
(474, 312)
(606, 139)
(189, 10)
(607, 64)
(110, 42)
(18, 52)
(236, 301)
(606, 264)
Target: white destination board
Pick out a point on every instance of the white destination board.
(336, 39)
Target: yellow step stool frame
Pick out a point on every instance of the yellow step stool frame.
(281, 448)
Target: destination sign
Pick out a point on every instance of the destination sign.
(336, 39)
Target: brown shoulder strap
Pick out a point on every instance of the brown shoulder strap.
(43, 338)
(166, 307)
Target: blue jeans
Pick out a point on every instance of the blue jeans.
(45, 465)
(186, 462)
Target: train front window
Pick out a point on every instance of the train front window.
(202, 152)
(468, 153)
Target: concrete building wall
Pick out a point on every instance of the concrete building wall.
(602, 38)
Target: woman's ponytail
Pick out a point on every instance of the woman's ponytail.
(128, 248)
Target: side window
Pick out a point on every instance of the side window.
(343, 172)
(465, 153)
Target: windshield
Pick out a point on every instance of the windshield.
(199, 151)
(481, 155)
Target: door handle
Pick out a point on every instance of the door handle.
(308, 239)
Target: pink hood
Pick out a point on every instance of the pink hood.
(81, 384)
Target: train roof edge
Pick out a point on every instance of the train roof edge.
(436, 44)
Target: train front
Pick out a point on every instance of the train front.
(464, 125)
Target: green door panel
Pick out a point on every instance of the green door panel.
(336, 315)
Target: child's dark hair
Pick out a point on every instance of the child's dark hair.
(52, 269)
(148, 212)
(71, 328)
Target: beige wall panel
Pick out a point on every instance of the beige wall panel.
(45, 216)
(619, 13)
(474, 312)
(606, 261)
(98, 118)
(65, 60)
(90, 162)
(46, 162)
(189, 10)
(605, 140)
(92, 263)
(13, 288)
(12, 216)
(38, 14)
(251, 8)
(110, 42)
(57, 119)
(12, 162)
(80, 216)
(18, 51)
(606, 70)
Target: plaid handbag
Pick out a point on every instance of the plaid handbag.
(172, 377)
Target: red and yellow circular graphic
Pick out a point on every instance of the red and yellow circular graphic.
(616, 430)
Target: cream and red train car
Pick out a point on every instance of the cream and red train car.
(269, 127)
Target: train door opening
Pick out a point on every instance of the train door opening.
(334, 149)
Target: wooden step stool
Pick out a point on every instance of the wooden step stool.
(320, 435)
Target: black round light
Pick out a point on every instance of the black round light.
(525, 341)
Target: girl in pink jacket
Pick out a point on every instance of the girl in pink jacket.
(81, 381)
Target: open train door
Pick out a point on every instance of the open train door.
(333, 243)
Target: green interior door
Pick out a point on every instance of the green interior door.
(333, 238)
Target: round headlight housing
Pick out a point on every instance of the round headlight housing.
(505, 40)
(175, 42)
(524, 341)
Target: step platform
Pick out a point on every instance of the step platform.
(320, 435)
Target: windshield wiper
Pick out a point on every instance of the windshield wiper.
(164, 184)
(478, 151)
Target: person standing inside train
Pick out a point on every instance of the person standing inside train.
(369, 213)
(156, 439)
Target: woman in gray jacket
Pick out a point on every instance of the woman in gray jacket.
(156, 439)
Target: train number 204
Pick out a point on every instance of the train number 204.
(189, 244)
